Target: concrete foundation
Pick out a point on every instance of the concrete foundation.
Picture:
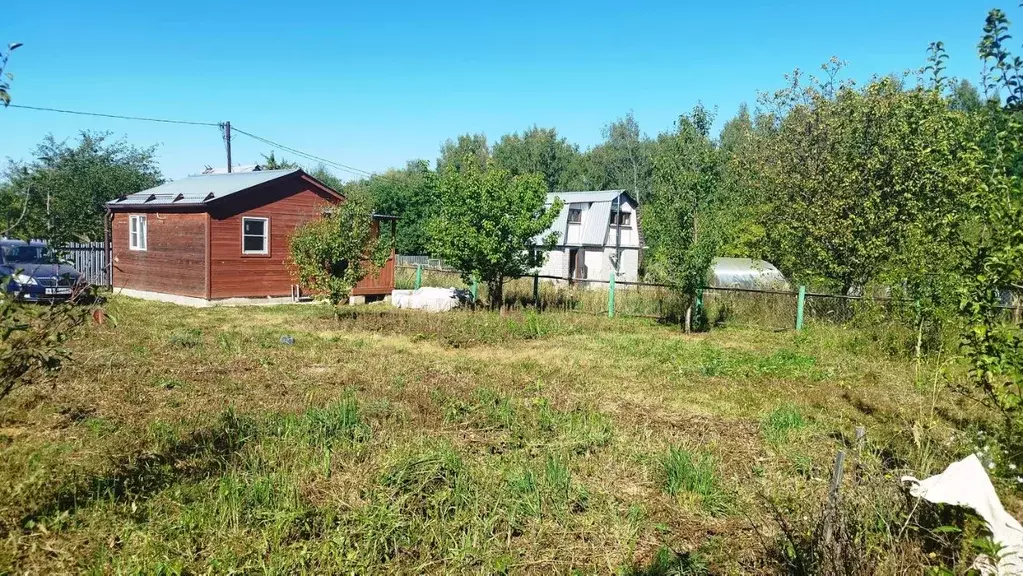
(202, 302)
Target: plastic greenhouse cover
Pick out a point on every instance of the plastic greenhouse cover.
(745, 273)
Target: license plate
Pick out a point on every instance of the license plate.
(56, 291)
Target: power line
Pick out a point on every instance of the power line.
(350, 169)
(117, 116)
(338, 165)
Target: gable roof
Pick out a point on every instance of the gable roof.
(596, 225)
(203, 189)
(589, 196)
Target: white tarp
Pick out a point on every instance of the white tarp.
(429, 299)
(966, 484)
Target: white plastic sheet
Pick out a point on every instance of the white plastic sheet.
(965, 483)
(429, 299)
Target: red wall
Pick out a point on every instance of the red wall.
(287, 203)
(175, 259)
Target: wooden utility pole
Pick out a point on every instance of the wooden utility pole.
(227, 140)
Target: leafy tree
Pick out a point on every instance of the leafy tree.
(270, 162)
(540, 150)
(623, 161)
(736, 131)
(965, 98)
(409, 194)
(467, 147)
(61, 195)
(850, 178)
(332, 253)
(991, 342)
(687, 177)
(488, 222)
(6, 77)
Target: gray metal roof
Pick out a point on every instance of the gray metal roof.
(590, 196)
(597, 223)
(200, 189)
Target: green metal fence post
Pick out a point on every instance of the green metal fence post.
(611, 297)
(419, 276)
(799, 307)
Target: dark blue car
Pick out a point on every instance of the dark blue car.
(31, 272)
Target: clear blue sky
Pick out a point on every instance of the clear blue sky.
(372, 84)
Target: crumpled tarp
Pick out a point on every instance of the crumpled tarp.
(965, 483)
(429, 299)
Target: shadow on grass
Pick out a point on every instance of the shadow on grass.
(203, 453)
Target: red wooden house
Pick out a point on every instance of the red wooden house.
(217, 236)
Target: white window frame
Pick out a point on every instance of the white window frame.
(578, 211)
(266, 236)
(138, 233)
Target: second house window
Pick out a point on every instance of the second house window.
(255, 235)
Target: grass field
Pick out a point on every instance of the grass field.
(196, 441)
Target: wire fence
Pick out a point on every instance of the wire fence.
(736, 306)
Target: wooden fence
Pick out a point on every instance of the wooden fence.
(89, 258)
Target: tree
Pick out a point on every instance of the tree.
(849, 179)
(468, 147)
(332, 253)
(270, 162)
(409, 194)
(61, 195)
(541, 151)
(965, 98)
(623, 161)
(991, 342)
(687, 177)
(6, 77)
(489, 221)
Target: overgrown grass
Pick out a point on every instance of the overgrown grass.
(194, 441)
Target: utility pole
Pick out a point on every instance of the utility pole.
(227, 140)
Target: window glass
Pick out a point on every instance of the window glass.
(137, 232)
(575, 215)
(254, 235)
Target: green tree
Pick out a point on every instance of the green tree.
(623, 161)
(61, 195)
(411, 195)
(992, 343)
(488, 222)
(332, 253)
(541, 151)
(965, 97)
(687, 178)
(6, 77)
(467, 147)
(850, 178)
(270, 162)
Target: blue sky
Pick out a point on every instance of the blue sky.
(372, 84)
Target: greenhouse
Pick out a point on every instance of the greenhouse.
(745, 273)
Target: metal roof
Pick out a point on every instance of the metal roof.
(597, 221)
(200, 189)
(590, 196)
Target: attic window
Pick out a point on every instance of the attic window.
(626, 218)
(255, 235)
(575, 216)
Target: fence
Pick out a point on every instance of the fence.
(772, 309)
(88, 258)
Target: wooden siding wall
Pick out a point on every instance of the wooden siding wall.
(379, 284)
(175, 259)
(288, 204)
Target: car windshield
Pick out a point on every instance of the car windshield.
(28, 255)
